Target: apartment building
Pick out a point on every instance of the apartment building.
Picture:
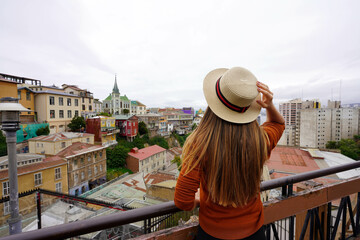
(291, 112)
(103, 129)
(146, 160)
(98, 106)
(152, 121)
(34, 171)
(57, 109)
(54, 143)
(318, 126)
(87, 98)
(86, 166)
(137, 108)
(128, 126)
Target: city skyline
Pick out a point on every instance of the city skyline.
(162, 49)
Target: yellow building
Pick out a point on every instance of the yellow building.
(34, 171)
(54, 143)
(26, 98)
(57, 109)
(103, 128)
(7, 88)
(87, 99)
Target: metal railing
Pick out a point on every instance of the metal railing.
(109, 221)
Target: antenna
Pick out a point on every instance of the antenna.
(340, 90)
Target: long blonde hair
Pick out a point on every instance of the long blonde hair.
(231, 157)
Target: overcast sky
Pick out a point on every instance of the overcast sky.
(162, 50)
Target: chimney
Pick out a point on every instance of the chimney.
(135, 150)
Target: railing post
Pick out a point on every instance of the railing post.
(357, 224)
(328, 225)
(38, 207)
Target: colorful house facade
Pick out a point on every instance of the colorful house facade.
(128, 126)
(103, 128)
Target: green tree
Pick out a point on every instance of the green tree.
(349, 148)
(104, 114)
(126, 111)
(193, 126)
(3, 146)
(77, 123)
(43, 131)
(116, 157)
(331, 145)
(142, 128)
(160, 141)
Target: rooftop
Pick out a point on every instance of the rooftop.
(61, 136)
(147, 152)
(78, 148)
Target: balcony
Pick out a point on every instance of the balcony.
(323, 212)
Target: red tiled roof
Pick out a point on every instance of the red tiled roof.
(78, 148)
(147, 152)
(35, 167)
(155, 178)
(176, 150)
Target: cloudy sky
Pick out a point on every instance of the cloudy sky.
(162, 50)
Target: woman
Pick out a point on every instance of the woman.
(224, 156)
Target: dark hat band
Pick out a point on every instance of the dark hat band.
(226, 102)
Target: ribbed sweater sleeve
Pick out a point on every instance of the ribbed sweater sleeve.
(186, 187)
(274, 131)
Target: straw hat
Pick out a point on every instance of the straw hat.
(232, 93)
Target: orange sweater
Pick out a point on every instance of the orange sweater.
(218, 221)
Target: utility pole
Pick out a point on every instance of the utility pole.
(10, 109)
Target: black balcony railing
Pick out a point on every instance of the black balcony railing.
(280, 224)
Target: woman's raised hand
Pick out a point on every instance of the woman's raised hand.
(267, 95)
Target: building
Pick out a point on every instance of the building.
(86, 166)
(117, 104)
(34, 171)
(163, 131)
(98, 106)
(146, 160)
(26, 98)
(128, 126)
(54, 143)
(57, 109)
(291, 112)
(152, 121)
(8, 88)
(87, 98)
(138, 108)
(103, 128)
(318, 126)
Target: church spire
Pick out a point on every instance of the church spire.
(116, 89)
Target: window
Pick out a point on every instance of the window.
(82, 175)
(58, 187)
(128, 131)
(95, 156)
(76, 102)
(28, 96)
(61, 113)
(75, 162)
(69, 101)
(134, 124)
(6, 188)
(89, 172)
(89, 158)
(83, 107)
(52, 100)
(90, 108)
(100, 168)
(57, 173)
(52, 113)
(135, 131)
(87, 139)
(89, 100)
(82, 160)
(61, 101)
(83, 100)
(38, 179)
(100, 154)
(7, 208)
(95, 170)
(76, 178)
(19, 95)
(69, 114)
(76, 113)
